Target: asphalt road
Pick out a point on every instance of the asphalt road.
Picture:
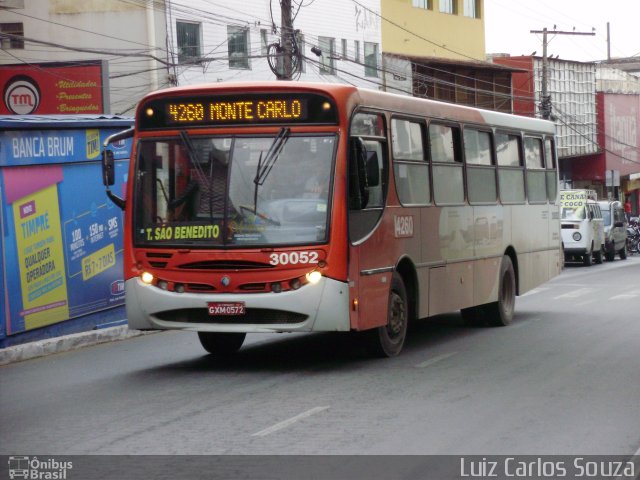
(564, 378)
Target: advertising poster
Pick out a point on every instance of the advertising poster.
(62, 250)
(53, 88)
(39, 249)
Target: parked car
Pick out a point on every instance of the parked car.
(582, 228)
(615, 229)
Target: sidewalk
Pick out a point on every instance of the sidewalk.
(40, 348)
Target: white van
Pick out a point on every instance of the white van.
(582, 226)
(615, 229)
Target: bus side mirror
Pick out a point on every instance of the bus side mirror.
(108, 168)
(109, 165)
(373, 169)
(358, 175)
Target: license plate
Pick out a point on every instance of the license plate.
(226, 308)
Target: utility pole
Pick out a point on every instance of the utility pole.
(608, 41)
(545, 101)
(285, 40)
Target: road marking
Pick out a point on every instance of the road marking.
(623, 296)
(290, 421)
(435, 360)
(536, 290)
(575, 294)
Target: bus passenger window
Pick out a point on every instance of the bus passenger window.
(552, 174)
(374, 161)
(536, 176)
(448, 183)
(368, 173)
(510, 168)
(533, 153)
(411, 169)
(444, 143)
(481, 173)
(406, 139)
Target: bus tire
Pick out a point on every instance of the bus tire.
(587, 259)
(388, 340)
(500, 313)
(221, 343)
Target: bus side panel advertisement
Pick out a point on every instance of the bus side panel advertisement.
(62, 252)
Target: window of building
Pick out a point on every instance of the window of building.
(238, 42)
(327, 58)
(356, 47)
(16, 29)
(189, 44)
(370, 59)
(448, 6)
(410, 166)
(426, 4)
(344, 48)
(471, 9)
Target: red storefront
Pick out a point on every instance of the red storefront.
(618, 136)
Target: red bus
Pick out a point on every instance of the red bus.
(301, 207)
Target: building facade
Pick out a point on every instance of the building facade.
(597, 114)
(332, 41)
(127, 38)
(452, 29)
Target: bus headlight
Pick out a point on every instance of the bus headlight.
(313, 277)
(146, 278)
(576, 236)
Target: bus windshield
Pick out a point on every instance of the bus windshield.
(203, 191)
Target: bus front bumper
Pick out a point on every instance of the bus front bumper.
(323, 307)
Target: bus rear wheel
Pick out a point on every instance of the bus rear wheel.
(387, 341)
(218, 343)
(500, 313)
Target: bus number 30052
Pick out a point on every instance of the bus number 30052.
(293, 258)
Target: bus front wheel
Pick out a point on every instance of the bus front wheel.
(387, 341)
(501, 313)
(218, 343)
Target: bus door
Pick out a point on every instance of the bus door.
(371, 258)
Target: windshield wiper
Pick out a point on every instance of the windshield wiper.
(264, 167)
(194, 156)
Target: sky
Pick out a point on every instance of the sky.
(508, 24)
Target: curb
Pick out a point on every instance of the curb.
(40, 348)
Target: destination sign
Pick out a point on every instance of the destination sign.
(239, 109)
